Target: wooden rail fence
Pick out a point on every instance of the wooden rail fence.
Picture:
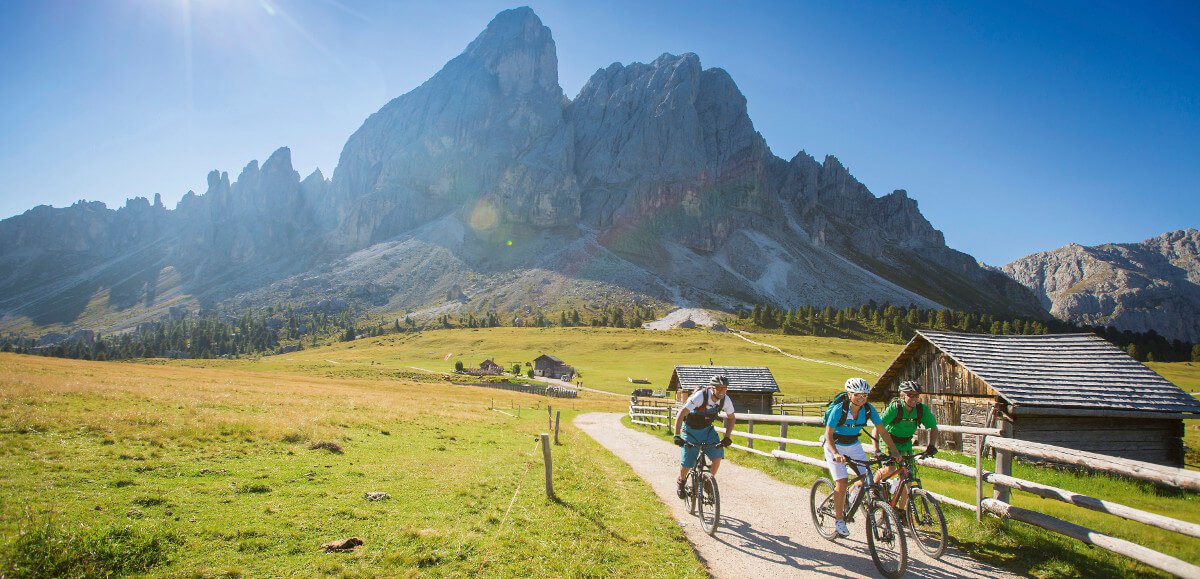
(541, 389)
(653, 412)
(1005, 448)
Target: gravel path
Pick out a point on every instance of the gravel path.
(766, 530)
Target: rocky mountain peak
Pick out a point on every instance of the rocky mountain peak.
(519, 50)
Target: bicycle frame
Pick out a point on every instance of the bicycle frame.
(702, 460)
(907, 475)
(867, 487)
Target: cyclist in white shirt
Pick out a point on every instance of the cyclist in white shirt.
(694, 426)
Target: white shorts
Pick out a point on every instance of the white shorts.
(838, 469)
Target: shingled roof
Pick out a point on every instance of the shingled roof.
(741, 378)
(1079, 371)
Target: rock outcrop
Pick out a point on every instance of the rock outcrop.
(1152, 285)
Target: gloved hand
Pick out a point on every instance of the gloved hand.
(726, 441)
(931, 449)
(678, 440)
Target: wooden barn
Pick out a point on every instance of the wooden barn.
(551, 367)
(750, 387)
(1072, 390)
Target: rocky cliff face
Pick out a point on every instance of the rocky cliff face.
(487, 129)
(1154, 284)
(652, 184)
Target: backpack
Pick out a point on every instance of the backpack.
(900, 412)
(843, 400)
(701, 418)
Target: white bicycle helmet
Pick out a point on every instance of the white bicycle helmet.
(857, 386)
(910, 386)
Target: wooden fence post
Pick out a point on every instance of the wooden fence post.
(547, 461)
(783, 430)
(557, 415)
(979, 477)
(549, 415)
(750, 429)
(1004, 459)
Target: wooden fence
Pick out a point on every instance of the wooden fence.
(800, 407)
(540, 389)
(654, 412)
(998, 440)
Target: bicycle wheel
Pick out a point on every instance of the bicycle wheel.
(824, 511)
(709, 504)
(927, 523)
(885, 539)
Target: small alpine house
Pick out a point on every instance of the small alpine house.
(751, 388)
(1071, 390)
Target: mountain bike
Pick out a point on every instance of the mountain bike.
(922, 515)
(885, 539)
(703, 496)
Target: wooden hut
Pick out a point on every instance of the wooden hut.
(751, 388)
(1071, 390)
(491, 367)
(551, 367)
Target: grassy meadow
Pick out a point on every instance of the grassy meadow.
(227, 468)
(217, 472)
(605, 357)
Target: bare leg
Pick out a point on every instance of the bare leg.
(716, 463)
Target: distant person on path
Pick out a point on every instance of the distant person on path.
(694, 426)
(901, 419)
(843, 424)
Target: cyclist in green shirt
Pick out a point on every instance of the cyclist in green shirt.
(901, 419)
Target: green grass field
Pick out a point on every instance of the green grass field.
(204, 468)
(605, 357)
(128, 468)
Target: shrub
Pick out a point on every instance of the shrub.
(458, 366)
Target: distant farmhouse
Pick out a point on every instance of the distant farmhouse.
(1071, 390)
(491, 367)
(751, 388)
(550, 367)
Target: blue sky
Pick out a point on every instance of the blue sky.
(1018, 127)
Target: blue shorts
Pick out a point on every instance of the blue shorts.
(706, 435)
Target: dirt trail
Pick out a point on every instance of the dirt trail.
(765, 530)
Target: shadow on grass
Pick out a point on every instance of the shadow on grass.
(590, 518)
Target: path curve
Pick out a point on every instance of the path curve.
(766, 530)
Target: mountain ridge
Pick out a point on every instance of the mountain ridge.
(1153, 284)
(652, 185)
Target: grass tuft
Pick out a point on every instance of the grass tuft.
(48, 549)
(326, 445)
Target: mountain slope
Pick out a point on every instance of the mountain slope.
(1154, 284)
